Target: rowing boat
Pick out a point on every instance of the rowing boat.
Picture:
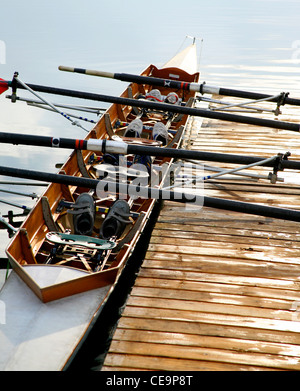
(71, 249)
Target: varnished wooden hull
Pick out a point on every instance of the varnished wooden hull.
(51, 307)
(29, 249)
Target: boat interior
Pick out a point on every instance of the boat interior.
(91, 231)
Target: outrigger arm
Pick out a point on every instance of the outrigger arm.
(16, 80)
(224, 172)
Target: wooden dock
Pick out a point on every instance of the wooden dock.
(220, 290)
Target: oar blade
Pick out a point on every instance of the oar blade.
(3, 86)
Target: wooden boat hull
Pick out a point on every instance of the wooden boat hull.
(27, 245)
(51, 307)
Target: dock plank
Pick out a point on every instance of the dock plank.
(205, 354)
(219, 290)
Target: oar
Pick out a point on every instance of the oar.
(154, 193)
(120, 147)
(197, 87)
(166, 107)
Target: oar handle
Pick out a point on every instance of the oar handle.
(86, 71)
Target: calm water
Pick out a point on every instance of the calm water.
(246, 44)
(251, 45)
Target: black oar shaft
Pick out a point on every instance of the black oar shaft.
(110, 146)
(42, 141)
(218, 203)
(167, 107)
